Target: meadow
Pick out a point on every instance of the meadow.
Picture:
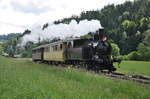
(134, 67)
(23, 79)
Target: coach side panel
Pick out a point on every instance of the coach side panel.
(54, 53)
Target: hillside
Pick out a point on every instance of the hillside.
(20, 78)
(8, 36)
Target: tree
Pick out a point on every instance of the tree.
(45, 26)
(1, 49)
(129, 27)
(145, 24)
(146, 40)
(126, 15)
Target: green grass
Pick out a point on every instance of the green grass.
(135, 67)
(22, 79)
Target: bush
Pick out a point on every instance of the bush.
(115, 49)
(144, 51)
(24, 54)
(124, 57)
(134, 56)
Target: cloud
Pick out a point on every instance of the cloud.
(8, 28)
(28, 12)
(28, 8)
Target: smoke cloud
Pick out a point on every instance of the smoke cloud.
(62, 31)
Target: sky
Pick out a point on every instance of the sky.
(18, 15)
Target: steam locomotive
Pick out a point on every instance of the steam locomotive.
(92, 54)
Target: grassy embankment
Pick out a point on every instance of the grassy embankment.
(21, 79)
(134, 67)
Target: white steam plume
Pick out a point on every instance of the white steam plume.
(62, 31)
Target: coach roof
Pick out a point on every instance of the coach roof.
(57, 42)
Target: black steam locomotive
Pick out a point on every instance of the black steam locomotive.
(93, 54)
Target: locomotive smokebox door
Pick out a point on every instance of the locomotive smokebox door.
(99, 34)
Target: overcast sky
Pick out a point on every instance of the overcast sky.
(17, 15)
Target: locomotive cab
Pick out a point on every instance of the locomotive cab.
(75, 50)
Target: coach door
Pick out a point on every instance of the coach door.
(42, 53)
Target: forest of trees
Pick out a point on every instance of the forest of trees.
(126, 25)
(8, 36)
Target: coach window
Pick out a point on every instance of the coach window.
(50, 49)
(60, 46)
(39, 50)
(70, 45)
(56, 47)
(64, 45)
(53, 48)
(46, 49)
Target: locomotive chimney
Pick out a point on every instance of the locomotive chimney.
(99, 34)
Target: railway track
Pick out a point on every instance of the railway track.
(120, 76)
(136, 78)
